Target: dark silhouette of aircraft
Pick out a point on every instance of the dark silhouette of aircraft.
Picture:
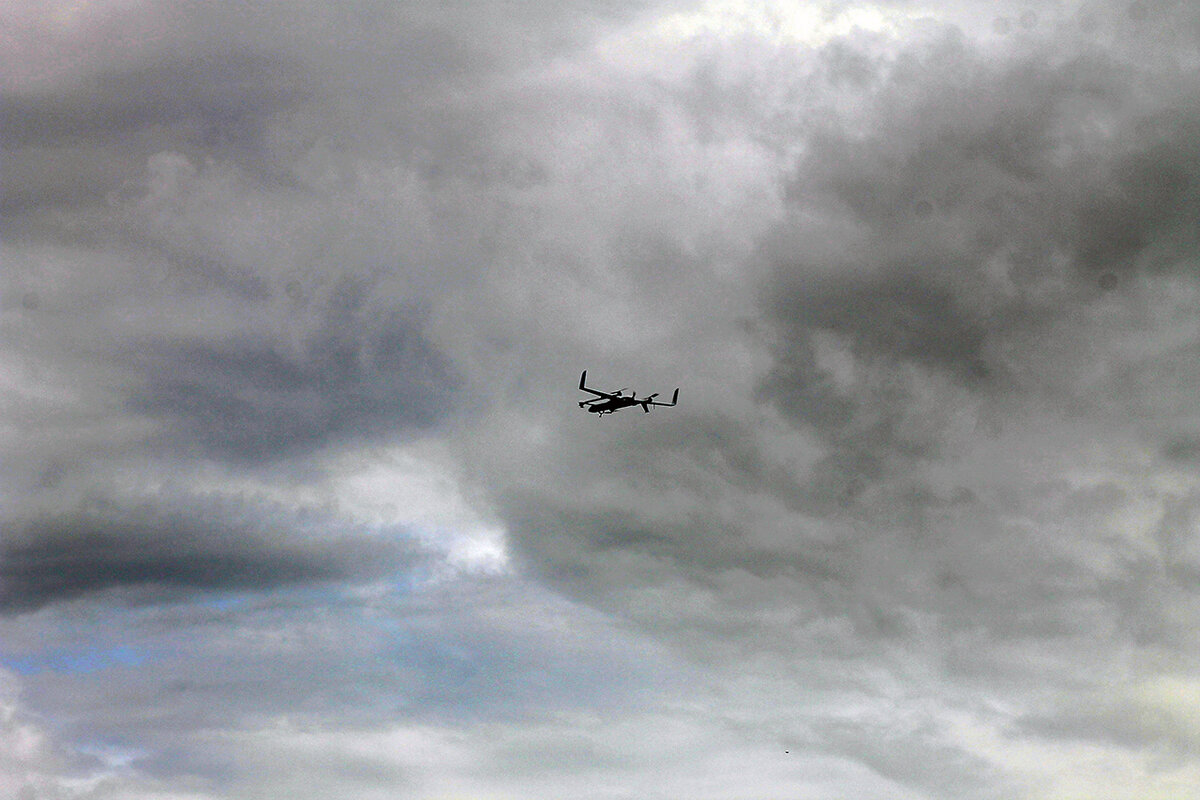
(608, 402)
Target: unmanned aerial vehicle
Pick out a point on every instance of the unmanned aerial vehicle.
(608, 402)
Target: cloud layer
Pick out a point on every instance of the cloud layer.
(295, 302)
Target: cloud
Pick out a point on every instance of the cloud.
(191, 543)
(34, 763)
(945, 234)
(346, 667)
(71, 147)
(246, 401)
(298, 301)
(204, 95)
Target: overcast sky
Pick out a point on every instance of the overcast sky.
(296, 499)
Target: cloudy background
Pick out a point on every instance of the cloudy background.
(296, 499)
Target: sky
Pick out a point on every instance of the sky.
(297, 500)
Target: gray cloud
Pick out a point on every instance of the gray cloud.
(65, 148)
(904, 321)
(483, 651)
(1142, 217)
(212, 96)
(249, 402)
(1041, 212)
(192, 544)
(926, 284)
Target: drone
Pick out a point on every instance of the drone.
(608, 402)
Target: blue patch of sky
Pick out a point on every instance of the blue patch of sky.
(111, 752)
(134, 636)
(465, 666)
(222, 602)
(76, 660)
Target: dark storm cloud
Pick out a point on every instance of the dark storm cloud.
(869, 428)
(1010, 158)
(889, 327)
(1144, 213)
(359, 373)
(1184, 449)
(191, 544)
(898, 319)
(972, 205)
(63, 147)
(211, 93)
(585, 545)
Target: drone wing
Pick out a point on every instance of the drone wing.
(674, 400)
(583, 380)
